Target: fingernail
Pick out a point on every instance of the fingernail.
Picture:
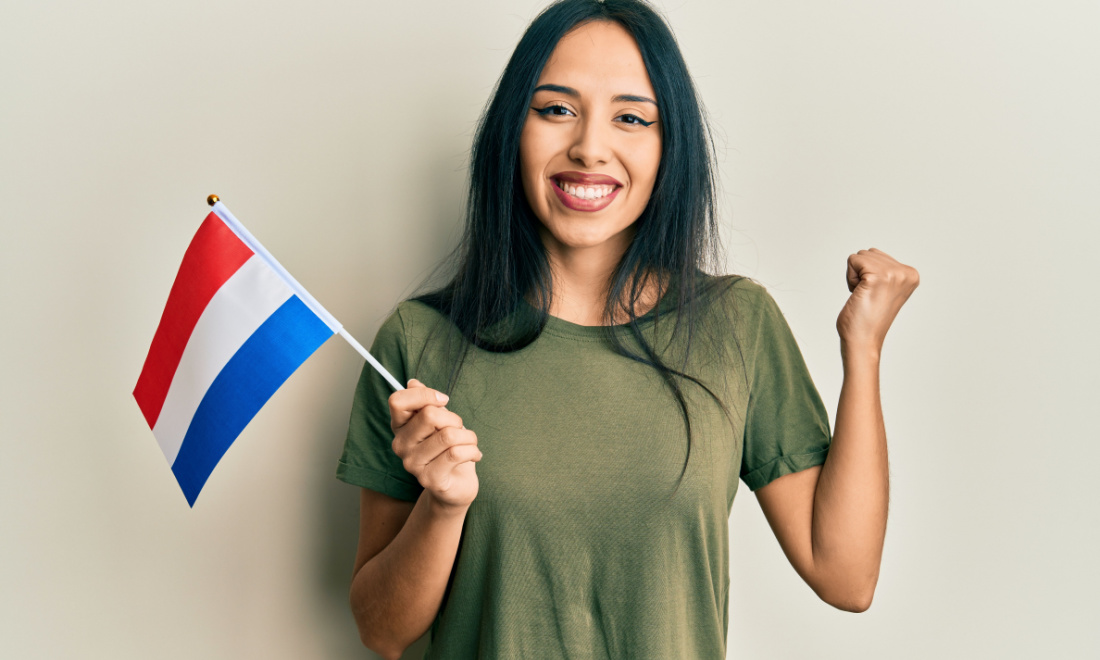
(441, 396)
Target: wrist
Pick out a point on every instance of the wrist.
(444, 511)
(860, 353)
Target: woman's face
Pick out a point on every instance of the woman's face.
(588, 158)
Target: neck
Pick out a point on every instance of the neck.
(582, 283)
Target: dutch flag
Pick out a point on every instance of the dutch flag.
(235, 327)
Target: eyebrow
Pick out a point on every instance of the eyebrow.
(569, 91)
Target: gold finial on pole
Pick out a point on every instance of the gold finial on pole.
(212, 200)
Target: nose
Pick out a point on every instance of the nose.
(591, 146)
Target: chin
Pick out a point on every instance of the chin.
(579, 240)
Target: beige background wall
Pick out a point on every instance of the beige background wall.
(962, 138)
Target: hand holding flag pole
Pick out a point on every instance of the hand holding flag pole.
(235, 327)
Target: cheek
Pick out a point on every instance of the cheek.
(530, 165)
(646, 161)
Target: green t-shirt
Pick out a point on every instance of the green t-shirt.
(573, 547)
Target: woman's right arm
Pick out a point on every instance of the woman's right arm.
(406, 550)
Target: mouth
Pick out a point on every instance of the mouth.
(585, 192)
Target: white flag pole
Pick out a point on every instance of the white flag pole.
(370, 358)
(329, 320)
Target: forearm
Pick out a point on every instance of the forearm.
(851, 500)
(396, 595)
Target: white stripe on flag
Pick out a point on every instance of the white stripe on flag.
(248, 239)
(239, 307)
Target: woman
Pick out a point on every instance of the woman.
(610, 393)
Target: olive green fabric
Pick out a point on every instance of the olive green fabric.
(575, 546)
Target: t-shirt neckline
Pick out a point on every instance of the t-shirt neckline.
(562, 328)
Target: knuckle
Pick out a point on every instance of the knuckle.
(394, 401)
(434, 415)
(419, 425)
(427, 480)
(448, 437)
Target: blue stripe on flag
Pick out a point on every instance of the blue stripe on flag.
(278, 347)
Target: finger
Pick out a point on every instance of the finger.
(429, 420)
(405, 403)
(439, 443)
(853, 273)
(426, 422)
(443, 464)
(443, 440)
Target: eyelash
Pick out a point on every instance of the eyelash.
(546, 112)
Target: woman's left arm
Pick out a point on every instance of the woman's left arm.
(831, 520)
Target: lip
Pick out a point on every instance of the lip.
(580, 178)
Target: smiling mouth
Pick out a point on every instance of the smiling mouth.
(586, 197)
(585, 192)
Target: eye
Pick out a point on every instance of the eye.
(553, 111)
(635, 120)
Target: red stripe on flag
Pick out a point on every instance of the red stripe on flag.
(215, 253)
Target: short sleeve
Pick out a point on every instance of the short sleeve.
(786, 427)
(368, 460)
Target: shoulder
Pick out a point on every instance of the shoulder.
(411, 318)
(743, 311)
(413, 314)
(422, 331)
(401, 341)
(405, 322)
(735, 298)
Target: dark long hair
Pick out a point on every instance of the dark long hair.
(501, 260)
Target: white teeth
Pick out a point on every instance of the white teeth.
(587, 192)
